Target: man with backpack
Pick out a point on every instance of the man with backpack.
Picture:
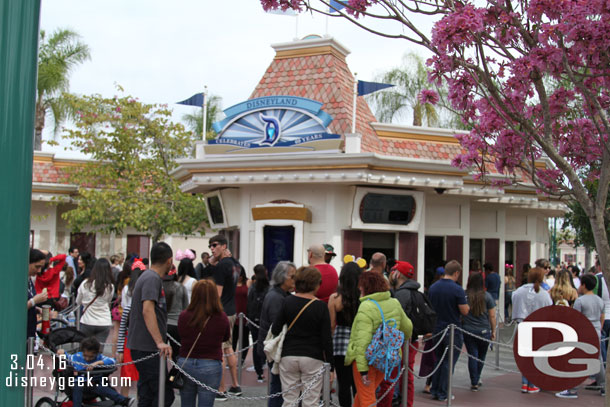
(418, 309)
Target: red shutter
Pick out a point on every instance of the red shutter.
(407, 249)
(84, 242)
(139, 244)
(492, 253)
(455, 249)
(352, 243)
(523, 257)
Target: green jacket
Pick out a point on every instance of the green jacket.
(366, 322)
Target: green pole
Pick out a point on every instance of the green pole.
(19, 21)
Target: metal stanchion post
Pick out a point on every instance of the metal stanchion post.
(240, 346)
(29, 390)
(497, 336)
(450, 364)
(162, 373)
(405, 375)
(326, 385)
(77, 319)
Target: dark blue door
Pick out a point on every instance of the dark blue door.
(278, 245)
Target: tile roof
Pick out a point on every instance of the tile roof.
(47, 172)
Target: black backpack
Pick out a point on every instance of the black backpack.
(255, 303)
(420, 312)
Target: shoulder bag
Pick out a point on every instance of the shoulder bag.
(175, 376)
(273, 345)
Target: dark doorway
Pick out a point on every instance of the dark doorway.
(433, 257)
(373, 242)
(84, 242)
(139, 244)
(278, 245)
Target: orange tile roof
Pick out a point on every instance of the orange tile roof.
(47, 172)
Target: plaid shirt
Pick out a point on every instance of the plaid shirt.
(340, 340)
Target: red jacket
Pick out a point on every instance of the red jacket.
(50, 278)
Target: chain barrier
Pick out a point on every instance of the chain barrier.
(317, 377)
(485, 363)
(435, 369)
(506, 345)
(444, 332)
(152, 355)
(251, 322)
(226, 355)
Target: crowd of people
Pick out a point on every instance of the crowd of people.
(323, 315)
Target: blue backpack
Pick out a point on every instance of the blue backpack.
(383, 352)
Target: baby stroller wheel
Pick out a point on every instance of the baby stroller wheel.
(46, 402)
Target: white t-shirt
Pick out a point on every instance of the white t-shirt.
(188, 283)
(526, 300)
(98, 313)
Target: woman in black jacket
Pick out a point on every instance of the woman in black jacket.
(256, 296)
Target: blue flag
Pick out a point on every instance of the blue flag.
(335, 6)
(364, 88)
(195, 100)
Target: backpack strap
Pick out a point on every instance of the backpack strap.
(599, 285)
(380, 310)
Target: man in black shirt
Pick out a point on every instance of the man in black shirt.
(225, 271)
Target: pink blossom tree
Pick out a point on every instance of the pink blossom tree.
(532, 78)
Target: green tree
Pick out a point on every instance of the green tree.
(578, 220)
(57, 57)
(194, 120)
(134, 147)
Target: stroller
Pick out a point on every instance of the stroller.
(71, 338)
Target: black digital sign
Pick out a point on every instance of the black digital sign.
(387, 209)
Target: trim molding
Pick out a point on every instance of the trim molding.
(281, 212)
(309, 52)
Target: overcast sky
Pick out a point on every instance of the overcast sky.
(163, 51)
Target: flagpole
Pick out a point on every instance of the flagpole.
(354, 106)
(205, 111)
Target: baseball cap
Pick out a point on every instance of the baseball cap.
(405, 268)
(328, 249)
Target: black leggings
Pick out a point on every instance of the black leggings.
(345, 380)
(246, 339)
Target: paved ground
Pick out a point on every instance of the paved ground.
(500, 388)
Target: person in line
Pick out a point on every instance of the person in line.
(449, 301)
(37, 261)
(186, 271)
(256, 298)
(95, 295)
(87, 359)
(480, 321)
(201, 270)
(592, 307)
(492, 281)
(601, 290)
(203, 328)
(177, 300)
(116, 260)
(367, 378)
(527, 299)
(524, 270)
(545, 265)
(401, 279)
(378, 263)
(84, 264)
(49, 278)
(225, 272)
(575, 273)
(148, 326)
(72, 258)
(330, 278)
(329, 253)
(241, 306)
(343, 306)
(308, 342)
(282, 284)
(509, 288)
(562, 292)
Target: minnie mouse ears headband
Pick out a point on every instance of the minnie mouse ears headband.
(187, 254)
(138, 264)
(508, 266)
(359, 261)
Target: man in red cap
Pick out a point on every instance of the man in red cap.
(401, 280)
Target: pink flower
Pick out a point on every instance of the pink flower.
(427, 96)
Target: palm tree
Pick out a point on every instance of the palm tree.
(194, 120)
(57, 56)
(399, 101)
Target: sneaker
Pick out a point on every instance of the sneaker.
(443, 398)
(221, 397)
(130, 402)
(260, 378)
(524, 388)
(593, 386)
(474, 388)
(602, 392)
(567, 394)
(533, 389)
(250, 369)
(235, 391)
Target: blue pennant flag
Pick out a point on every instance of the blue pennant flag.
(335, 6)
(195, 100)
(364, 88)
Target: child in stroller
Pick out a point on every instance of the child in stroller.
(84, 364)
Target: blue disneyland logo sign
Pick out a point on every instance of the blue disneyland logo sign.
(274, 121)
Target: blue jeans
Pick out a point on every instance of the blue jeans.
(102, 391)
(275, 386)
(477, 348)
(207, 371)
(605, 334)
(441, 377)
(148, 384)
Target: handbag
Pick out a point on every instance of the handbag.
(115, 312)
(175, 376)
(273, 345)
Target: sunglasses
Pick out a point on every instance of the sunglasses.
(213, 245)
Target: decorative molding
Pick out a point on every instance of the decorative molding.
(282, 212)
